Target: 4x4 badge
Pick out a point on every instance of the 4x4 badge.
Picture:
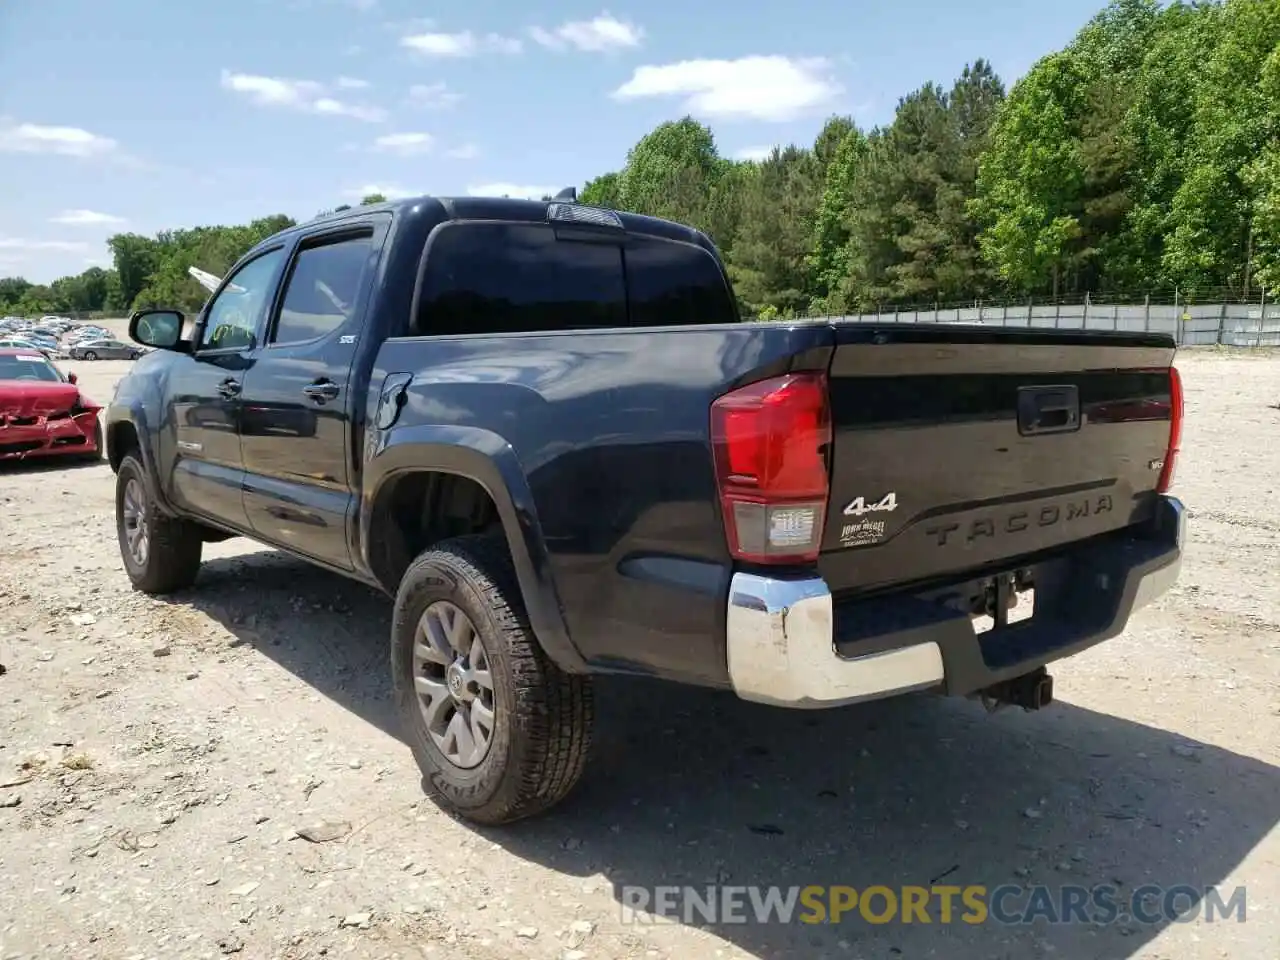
(858, 506)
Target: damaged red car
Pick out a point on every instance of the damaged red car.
(42, 411)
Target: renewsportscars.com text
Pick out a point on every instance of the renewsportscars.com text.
(974, 904)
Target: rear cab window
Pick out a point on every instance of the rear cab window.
(484, 277)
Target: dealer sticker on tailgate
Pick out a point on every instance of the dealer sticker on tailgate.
(865, 531)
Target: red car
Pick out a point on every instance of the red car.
(42, 412)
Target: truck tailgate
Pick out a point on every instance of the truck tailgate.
(962, 448)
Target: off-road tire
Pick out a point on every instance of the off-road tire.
(175, 545)
(543, 717)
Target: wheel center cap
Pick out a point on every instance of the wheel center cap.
(456, 678)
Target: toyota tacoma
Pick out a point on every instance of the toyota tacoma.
(544, 430)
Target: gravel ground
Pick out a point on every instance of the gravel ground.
(159, 758)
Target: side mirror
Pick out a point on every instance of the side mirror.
(72, 378)
(157, 328)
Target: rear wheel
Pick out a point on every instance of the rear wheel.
(161, 554)
(90, 355)
(499, 732)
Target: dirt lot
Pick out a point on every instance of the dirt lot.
(157, 757)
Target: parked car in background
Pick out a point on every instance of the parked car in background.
(42, 340)
(104, 350)
(28, 344)
(42, 411)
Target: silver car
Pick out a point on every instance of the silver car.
(104, 350)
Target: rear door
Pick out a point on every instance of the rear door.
(959, 448)
(296, 413)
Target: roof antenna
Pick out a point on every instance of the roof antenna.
(569, 194)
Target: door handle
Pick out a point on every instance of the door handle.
(229, 388)
(321, 390)
(1048, 409)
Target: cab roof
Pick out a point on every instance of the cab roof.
(500, 208)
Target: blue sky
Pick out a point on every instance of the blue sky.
(145, 115)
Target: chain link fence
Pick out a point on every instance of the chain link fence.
(1200, 324)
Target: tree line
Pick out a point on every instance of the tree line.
(1145, 155)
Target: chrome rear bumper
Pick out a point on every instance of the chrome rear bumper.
(781, 634)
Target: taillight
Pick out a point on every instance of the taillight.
(769, 441)
(1175, 432)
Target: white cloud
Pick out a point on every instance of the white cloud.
(511, 190)
(390, 191)
(755, 154)
(405, 144)
(351, 83)
(774, 88)
(306, 96)
(86, 218)
(466, 151)
(61, 246)
(464, 44)
(501, 44)
(67, 141)
(434, 96)
(596, 35)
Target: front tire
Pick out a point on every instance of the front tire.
(160, 553)
(498, 730)
(90, 355)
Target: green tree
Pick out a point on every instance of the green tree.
(136, 258)
(1030, 179)
(767, 260)
(1230, 176)
(604, 191)
(671, 171)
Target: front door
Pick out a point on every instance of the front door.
(296, 414)
(205, 401)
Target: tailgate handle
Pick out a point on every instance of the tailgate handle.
(1053, 409)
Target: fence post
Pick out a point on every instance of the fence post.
(1057, 315)
(1084, 321)
(1146, 313)
(1222, 321)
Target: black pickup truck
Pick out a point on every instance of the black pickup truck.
(544, 430)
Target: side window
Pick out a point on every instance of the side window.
(233, 316)
(320, 294)
(518, 278)
(672, 284)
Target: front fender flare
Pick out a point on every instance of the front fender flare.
(490, 461)
(135, 414)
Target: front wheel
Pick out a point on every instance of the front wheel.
(499, 732)
(90, 355)
(161, 554)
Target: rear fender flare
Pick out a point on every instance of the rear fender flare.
(484, 457)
